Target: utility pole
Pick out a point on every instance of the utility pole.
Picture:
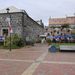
(9, 26)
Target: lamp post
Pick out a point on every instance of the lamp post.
(9, 26)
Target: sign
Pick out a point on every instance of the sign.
(1, 38)
(10, 27)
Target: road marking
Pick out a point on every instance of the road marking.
(39, 60)
(34, 65)
(16, 60)
(58, 62)
(30, 51)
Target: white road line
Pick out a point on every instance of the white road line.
(39, 60)
(58, 62)
(16, 60)
(34, 65)
(30, 51)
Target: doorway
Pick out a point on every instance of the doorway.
(5, 32)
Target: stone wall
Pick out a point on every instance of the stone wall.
(32, 28)
(21, 24)
(16, 22)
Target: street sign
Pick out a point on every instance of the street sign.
(10, 27)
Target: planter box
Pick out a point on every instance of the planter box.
(66, 47)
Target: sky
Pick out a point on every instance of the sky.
(42, 9)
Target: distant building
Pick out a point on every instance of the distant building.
(40, 22)
(21, 23)
(58, 22)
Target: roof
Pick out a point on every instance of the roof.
(12, 9)
(15, 10)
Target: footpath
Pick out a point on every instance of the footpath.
(36, 60)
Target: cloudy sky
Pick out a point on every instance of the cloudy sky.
(42, 9)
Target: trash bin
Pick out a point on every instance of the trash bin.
(52, 48)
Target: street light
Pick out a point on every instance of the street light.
(9, 26)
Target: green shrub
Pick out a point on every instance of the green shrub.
(30, 41)
(20, 42)
(48, 41)
(16, 41)
(38, 41)
(1, 43)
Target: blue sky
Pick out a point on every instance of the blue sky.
(42, 9)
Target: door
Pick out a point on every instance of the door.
(5, 32)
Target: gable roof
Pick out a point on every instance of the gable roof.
(12, 9)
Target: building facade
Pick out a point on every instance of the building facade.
(58, 22)
(21, 23)
(56, 25)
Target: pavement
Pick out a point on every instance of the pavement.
(36, 60)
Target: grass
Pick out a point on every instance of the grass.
(56, 45)
(68, 44)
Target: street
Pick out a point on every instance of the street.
(36, 60)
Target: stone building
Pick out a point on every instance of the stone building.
(40, 22)
(21, 23)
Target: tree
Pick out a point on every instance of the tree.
(65, 26)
